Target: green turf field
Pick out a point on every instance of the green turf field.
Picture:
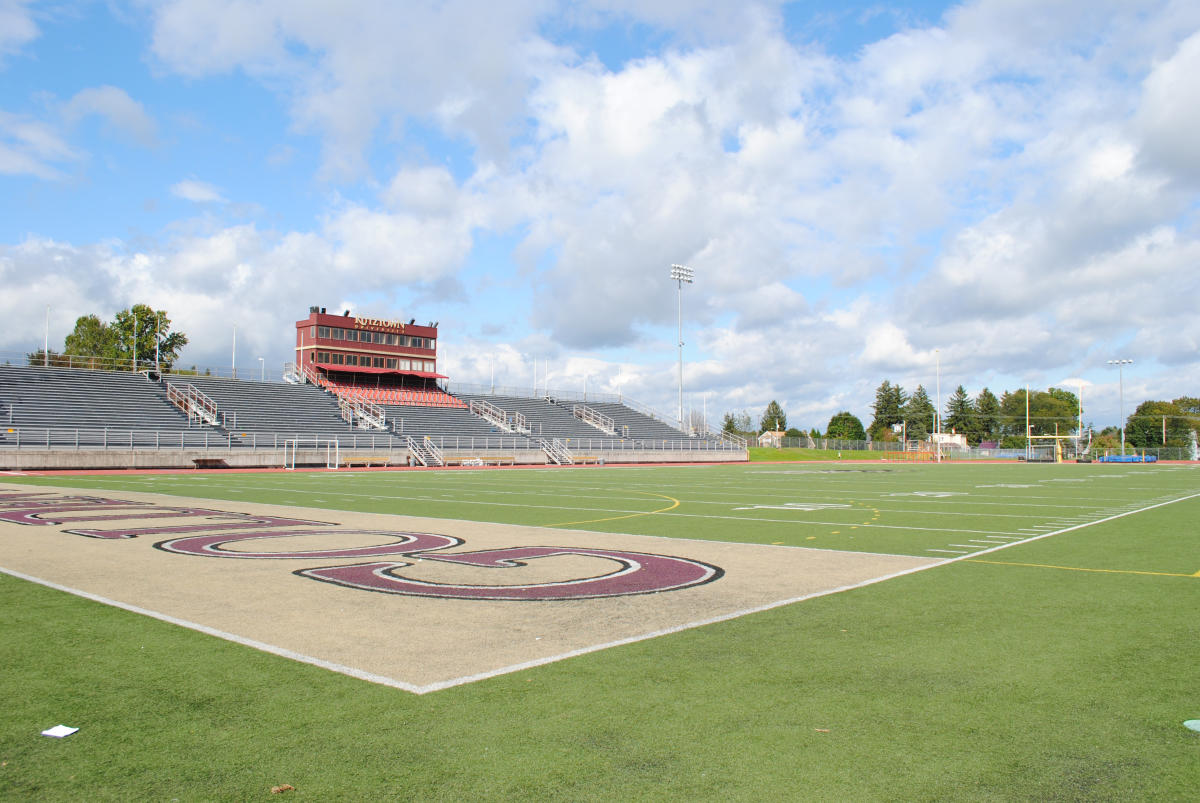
(1055, 668)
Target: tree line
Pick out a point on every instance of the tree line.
(986, 418)
(136, 337)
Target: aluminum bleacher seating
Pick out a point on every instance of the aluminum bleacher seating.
(88, 402)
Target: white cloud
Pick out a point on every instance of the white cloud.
(31, 147)
(1013, 186)
(200, 192)
(17, 27)
(122, 113)
(1170, 113)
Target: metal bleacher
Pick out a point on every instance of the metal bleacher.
(74, 406)
(545, 419)
(250, 407)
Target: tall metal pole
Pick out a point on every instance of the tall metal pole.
(681, 274)
(937, 424)
(46, 344)
(1121, 390)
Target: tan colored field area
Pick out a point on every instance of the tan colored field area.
(430, 602)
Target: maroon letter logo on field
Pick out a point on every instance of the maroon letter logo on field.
(637, 573)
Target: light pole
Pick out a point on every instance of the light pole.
(1121, 385)
(937, 418)
(681, 274)
(262, 370)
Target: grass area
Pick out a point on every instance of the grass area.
(760, 454)
(925, 510)
(996, 680)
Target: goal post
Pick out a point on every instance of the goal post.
(333, 456)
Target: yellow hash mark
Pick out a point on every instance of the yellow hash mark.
(674, 504)
(1080, 568)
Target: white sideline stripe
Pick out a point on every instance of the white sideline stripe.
(950, 551)
(212, 631)
(965, 546)
(446, 684)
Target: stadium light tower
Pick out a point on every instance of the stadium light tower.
(1121, 385)
(681, 274)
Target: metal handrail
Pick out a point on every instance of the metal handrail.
(595, 418)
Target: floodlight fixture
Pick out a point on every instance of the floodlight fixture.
(1121, 387)
(681, 274)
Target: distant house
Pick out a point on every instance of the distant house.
(951, 440)
(772, 439)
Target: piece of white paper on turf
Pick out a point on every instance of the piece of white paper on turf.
(59, 731)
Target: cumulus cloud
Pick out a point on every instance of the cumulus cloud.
(17, 27)
(1169, 116)
(200, 192)
(121, 113)
(32, 147)
(1012, 186)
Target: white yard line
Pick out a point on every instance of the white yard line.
(222, 634)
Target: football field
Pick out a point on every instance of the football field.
(899, 631)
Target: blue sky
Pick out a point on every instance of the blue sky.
(1005, 191)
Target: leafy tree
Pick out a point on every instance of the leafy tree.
(138, 327)
(845, 426)
(1144, 429)
(39, 358)
(92, 337)
(986, 424)
(792, 432)
(737, 424)
(1046, 410)
(1107, 439)
(960, 413)
(889, 409)
(918, 414)
(1189, 407)
(773, 418)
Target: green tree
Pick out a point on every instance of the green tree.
(39, 358)
(845, 426)
(889, 409)
(737, 424)
(1189, 407)
(91, 337)
(792, 432)
(773, 418)
(137, 328)
(918, 415)
(960, 413)
(1145, 428)
(986, 426)
(1055, 411)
